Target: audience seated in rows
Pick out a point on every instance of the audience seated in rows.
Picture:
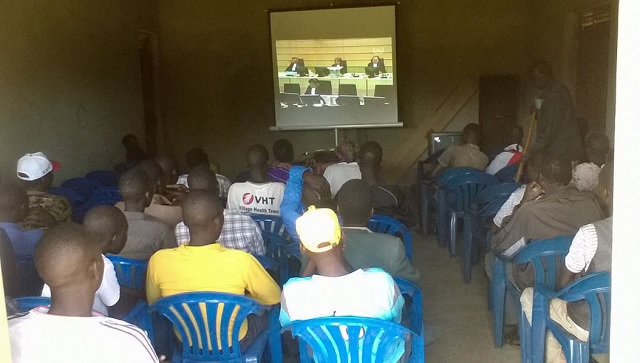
(388, 200)
(345, 170)
(585, 175)
(14, 206)
(45, 209)
(68, 259)
(336, 289)
(257, 195)
(146, 234)
(590, 252)
(198, 156)
(512, 153)
(205, 265)
(466, 155)
(239, 231)
(283, 153)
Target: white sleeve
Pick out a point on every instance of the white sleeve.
(583, 248)
(46, 291)
(507, 208)
(109, 291)
(233, 202)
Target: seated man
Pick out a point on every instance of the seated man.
(387, 199)
(197, 157)
(45, 210)
(363, 248)
(160, 206)
(585, 175)
(466, 155)
(69, 260)
(345, 170)
(511, 154)
(14, 206)
(146, 234)
(335, 289)
(205, 265)
(109, 227)
(239, 231)
(283, 153)
(258, 195)
(590, 252)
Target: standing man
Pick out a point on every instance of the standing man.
(557, 130)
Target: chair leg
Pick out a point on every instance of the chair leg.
(498, 289)
(525, 338)
(453, 221)
(577, 352)
(467, 248)
(424, 215)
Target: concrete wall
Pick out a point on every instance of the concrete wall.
(216, 52)
(70, 80)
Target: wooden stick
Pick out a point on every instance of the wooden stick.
(532, 122)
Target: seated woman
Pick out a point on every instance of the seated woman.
(339, 62)
(377, 62)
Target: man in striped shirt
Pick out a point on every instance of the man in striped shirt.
(69, 260)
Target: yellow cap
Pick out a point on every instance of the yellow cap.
(319, 229)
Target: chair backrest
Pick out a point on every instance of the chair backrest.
(489, 201)
(129, 272)
(292, 88)
(325, 87)
(450, 173)
(466, 187)
(349, 339)
(29, 302)
(274, 244)
(81, 186)
(103, 178)
(347, 90)
(388, 225)
(383, 90)
(411, 290)
(544, 255)
(596, 290)
(268, 223)
(199, 317)
(267, 263)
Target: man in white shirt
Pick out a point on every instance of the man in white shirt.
(68, 259)
(511, 154)
(258, 195)
(347, 169)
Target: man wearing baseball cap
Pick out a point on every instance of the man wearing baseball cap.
(335, 289)
(45, 210)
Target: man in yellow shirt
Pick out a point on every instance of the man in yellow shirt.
(204, 265)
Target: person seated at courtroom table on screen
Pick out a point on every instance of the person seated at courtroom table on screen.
(377, 62)
(313, 88)
(338, 62)
(295, 65)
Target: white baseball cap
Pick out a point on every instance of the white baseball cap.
(33, 166)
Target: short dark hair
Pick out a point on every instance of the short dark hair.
(195, 157)
(134, 183)
(556, 168)
(257, 155)
(203, 178)
(282, 149)
(541, 66)
(355, 203)
(152, 168)
(370, 153)
(471, 131)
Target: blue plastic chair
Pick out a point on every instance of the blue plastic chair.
(487, 203)
(542, 254)
(460, 192)
(129, 272)
(267, 263)
(273, 224)
(30, 302)
(430, 195)
(388, 225)
(81, 186)
(416, 323)
(347, 338)
(103, 178)
(199, 317)
(74, 198)
(596, 290)
(274, 244)
(508, 173)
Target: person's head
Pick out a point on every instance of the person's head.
(294, 60)
(203, 214)
(515, 135)
(370, 154)
(36, 171)
(68, 258)
(109, 225)
(130, 141)
(355, 203)
(540, 74)
(337, 61)
(597, 148)
(314, 83)
(322, 159)
(136, 189)
(604, 191)
(375, 59)
(155, 172)
(320, 235)
(283, 151)
(258, 159)
(14, 203)
(169, 167)
(317, 196)
(555, 171)
(346, 151)
(471, 134)
(204, 179)
(196, 157)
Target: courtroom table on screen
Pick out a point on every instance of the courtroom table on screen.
(367, 113)
(365, 86)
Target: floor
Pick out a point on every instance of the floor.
(457, 312)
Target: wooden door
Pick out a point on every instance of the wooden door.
(498, 96)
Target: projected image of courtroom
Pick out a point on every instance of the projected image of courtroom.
(349, 81)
